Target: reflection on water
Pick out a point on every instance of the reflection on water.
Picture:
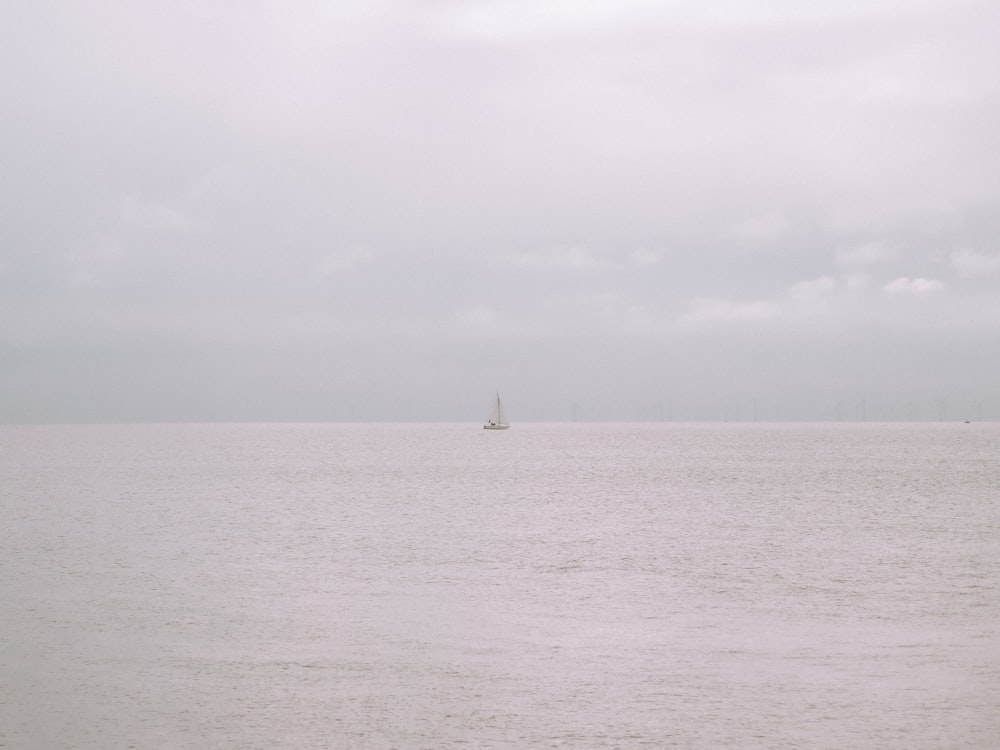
(315, 586)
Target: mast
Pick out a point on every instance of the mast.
(497, 421)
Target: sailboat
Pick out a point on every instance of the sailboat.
(497, 420)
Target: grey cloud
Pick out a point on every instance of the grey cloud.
(614, 204)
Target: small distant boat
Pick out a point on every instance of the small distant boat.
(497, 419)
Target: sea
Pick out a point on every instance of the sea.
(651, 585)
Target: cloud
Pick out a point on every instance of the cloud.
(825, 301)
(573, 258)
(906, 285)
(541, 174)
(812, 304)
(484, 321)
(867, 254)
(970, 263)
(857, 281)
(713, 312)
(502, 20)
(141, 214)
(646, 256)
(810, 291)
(345, 260)
(769, 226)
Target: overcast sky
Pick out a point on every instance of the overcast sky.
(607, 209)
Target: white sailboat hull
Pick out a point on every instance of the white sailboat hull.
(495, 426)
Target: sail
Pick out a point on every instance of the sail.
(497, 419)
(499, 412)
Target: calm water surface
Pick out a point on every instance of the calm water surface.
(437, 586)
